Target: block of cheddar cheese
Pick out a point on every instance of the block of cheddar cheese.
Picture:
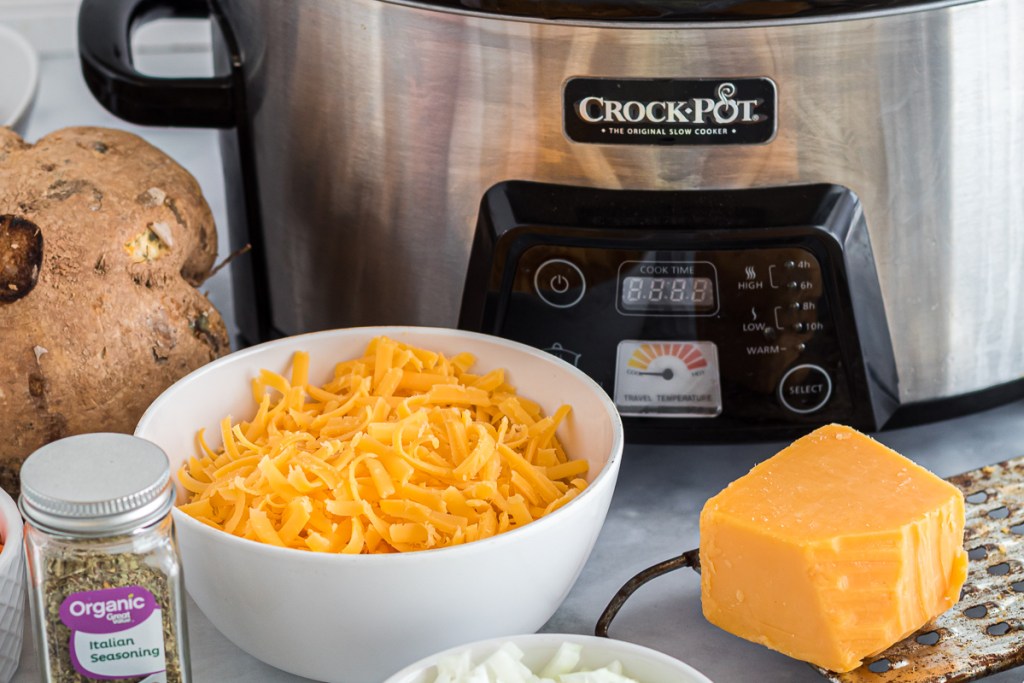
(832, 550)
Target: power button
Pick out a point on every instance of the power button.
(559, 283)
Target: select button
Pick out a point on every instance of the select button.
(559, 283)
(805, 389)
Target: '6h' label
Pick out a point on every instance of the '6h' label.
(737, 111)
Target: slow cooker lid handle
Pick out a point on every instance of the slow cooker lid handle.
(104, 36)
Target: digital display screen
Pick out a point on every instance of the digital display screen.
(667, 294)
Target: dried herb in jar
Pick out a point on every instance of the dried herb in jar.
(106, 587)
(84, 571)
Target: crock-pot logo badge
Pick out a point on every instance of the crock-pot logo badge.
(697, 110)
(737, 111)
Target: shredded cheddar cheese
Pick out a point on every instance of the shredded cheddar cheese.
(403, 449)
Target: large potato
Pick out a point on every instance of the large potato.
(103, 243)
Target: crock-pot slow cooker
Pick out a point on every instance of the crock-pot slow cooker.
(742, 218)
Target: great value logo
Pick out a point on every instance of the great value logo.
(670, 111)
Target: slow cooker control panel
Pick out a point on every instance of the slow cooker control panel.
(686, 333)
(719, 330)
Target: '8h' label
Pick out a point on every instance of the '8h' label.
(738, 111)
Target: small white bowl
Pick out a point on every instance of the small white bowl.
(638, 662)
(12, 587)
(356, 618)
(19, 79)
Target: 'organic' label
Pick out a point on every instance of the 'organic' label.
(116, 633)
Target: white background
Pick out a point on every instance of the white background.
(50, 25)
(637, 534)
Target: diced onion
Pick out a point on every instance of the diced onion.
(505, 666)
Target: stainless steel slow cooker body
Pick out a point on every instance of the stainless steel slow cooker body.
(370, 130)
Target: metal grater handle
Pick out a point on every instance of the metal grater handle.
(982, 634)
(691, 559)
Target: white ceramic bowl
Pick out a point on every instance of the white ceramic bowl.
(19, 79)
(355, 619)
(638, 662)
(12, 587)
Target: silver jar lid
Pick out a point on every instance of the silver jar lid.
(96, 485)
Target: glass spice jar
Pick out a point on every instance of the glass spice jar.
(105, 581)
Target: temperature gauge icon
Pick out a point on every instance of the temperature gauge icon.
(668, 378)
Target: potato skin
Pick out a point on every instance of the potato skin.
(111, 316)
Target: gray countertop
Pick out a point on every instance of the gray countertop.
(657, 501)
(652, 518)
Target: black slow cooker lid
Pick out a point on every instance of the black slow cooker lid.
(682, 10)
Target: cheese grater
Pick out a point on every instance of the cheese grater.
(982, 634)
